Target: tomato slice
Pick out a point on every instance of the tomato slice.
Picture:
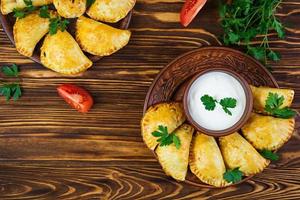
(76, 96)
(190, 10)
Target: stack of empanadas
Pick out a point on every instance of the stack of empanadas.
(60, 52)
(211, 158)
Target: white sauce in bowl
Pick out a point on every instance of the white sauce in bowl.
(219, 85)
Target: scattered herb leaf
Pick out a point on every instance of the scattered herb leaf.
(273, 104)
(44, 12)
(233, 176)
(21, 13)
(244, 20)
(56, 24)
(12, 71)
(209, 102)
(228, 103)
(165, 138)
(269, 155)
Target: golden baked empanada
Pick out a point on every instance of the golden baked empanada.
(266, 132)
(175, 161)
(260, 95)
(29, 31)
(170, 115)
(110, 10)
(61, 53)
(238, 153)
(70, 8)
(206, 160)
(100, 39)
(7, 6)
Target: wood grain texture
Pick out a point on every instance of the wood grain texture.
(49, 151)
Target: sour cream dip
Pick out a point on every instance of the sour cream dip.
(218, 85)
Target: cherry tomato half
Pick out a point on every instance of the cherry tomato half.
(76, 96)
(190, 10)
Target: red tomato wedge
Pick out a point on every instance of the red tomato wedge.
(77, 97)
(190, 10)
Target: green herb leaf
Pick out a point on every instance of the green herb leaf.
(44, 12)
(56, 24)
(11, 91)
(12, 71)
(269, 155)
(21, 13)
(273, 107)
(89, 3)
(233, 176)
(209, 102)
(274, 56)
(165, 138)
(228, 103)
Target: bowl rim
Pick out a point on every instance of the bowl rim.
(240, 123)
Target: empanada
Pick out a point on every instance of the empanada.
(260, 95)
(70, 8)
(266, 132)
(29, 31)
(7, 6)
(206, 160)
(175, 161)
(61, 53)
(170, 115)
(100, 39)
(238, 153)
(110, 10)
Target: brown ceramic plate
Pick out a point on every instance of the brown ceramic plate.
(8, 22)
(170, 83)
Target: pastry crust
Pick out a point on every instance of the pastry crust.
(110, 11)
(238, 153)
(260, 95)
(70, 8)
(266, 132)
(175, 161)
(29, 31)
(206, 160)
(7, 6)
(62, 54)
(170, 115)
(100, 39)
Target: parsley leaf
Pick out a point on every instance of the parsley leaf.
(165, 138)
(209, 102)
(269, 155)
(89, 2)
(12, 71)
(228, 103)
(21, 13)
(233, 176)
(244, 20)
(11, 91)
(56, 24)
(44, 12)
(273, 104)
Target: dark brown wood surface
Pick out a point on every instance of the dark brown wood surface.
(49, 151)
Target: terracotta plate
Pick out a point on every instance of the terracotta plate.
(8, 22)
(170, 83)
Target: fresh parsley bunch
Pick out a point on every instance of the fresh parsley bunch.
(10, 90)
(244, 20)
(165, 138)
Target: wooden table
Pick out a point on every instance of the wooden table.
(49, 151)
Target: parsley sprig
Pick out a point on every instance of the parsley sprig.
(58, 23)
(233, 176)
(210, 103)
(21, 13)
(10, 90)
(244, 20)
(269, 155)
(165, 138)
(273, 104)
